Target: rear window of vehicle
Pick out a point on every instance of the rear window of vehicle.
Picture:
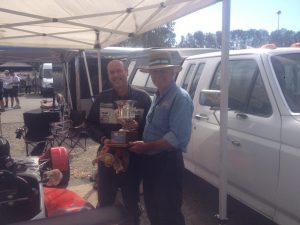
(141, 79)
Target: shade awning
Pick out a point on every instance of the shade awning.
(15, 64)
(73, 23)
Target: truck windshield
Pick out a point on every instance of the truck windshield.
(48, 73)
(287, 70)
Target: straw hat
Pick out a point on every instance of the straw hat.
(159, 59)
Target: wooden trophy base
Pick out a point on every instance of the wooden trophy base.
(121, 138)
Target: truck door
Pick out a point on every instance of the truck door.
(203, 155)
(253, 134)
(184, 80)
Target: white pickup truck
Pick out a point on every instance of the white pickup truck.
(263, 128)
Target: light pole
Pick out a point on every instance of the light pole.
(278, 13)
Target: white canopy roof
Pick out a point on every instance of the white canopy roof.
(73, 23)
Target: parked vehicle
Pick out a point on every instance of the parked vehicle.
(46, 79)
(138, 59)
(263, 128)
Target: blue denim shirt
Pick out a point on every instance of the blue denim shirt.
(170, 117)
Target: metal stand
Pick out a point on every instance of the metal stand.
(221, 221)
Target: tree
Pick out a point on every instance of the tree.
(190, 38)
(199, 39)
(237, 39)
(219, 39)
(297, 36)
(256, 38)
(163, 36)
(182, 43)
(210, 40)
(283, 37)
(196, 40)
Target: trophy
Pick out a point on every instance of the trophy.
(125, 114)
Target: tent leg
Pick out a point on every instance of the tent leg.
(223, 112)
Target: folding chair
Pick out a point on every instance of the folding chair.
(71, 131)
(36, 131)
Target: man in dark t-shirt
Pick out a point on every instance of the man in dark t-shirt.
(101, 122)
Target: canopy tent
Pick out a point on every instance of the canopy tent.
(15, 64)
(81, 24)
(72, 23)
(54, 55)
(32, 55)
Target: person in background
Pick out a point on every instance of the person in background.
(15, 90)
(7, 88)
(101, 122)
(28, 84)
(35, 83)
(165, 138)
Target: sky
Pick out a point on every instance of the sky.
(245, 15)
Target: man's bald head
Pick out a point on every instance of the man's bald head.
(117, 75)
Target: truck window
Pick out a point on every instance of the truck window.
(287, 70)
(140, 78)
(259, 102)
(131, 66)
(150, 83)
(188, 76)
(195, 80)
(246, 91)
(48, 73)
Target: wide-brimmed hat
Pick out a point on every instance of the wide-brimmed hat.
(159, 59)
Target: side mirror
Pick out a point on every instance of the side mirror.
(210, 98)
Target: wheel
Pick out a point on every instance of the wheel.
(60, 160)
(57, 158)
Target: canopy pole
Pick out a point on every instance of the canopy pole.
(66, 73)
(99, 70)
(224, 111)
(97, 46)
(88, 75)
(77, 82)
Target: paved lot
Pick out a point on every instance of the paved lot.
(200, 199)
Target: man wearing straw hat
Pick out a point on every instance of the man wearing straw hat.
(166, 135)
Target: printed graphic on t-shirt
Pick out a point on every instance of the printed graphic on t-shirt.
(107, 113)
